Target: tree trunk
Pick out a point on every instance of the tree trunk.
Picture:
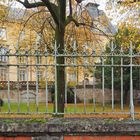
(59, 36)
(125, 98)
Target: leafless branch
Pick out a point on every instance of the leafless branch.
(71, 19)
(70, 8)
(51, 7)
(31, 5)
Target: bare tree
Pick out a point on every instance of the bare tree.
(61, 19)
(58, 12)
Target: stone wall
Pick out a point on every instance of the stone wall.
(23, 95)
(58, 128)
(42, 95)
(98, 94)
(89, 92)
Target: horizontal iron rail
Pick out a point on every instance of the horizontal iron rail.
(70, 65)
(72, 55)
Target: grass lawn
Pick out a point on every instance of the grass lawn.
(70, 108)
(71, 111)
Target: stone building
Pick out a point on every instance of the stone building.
(19, 38)
(13, 38)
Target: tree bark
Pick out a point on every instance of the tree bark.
(59, 36)
(125, 98)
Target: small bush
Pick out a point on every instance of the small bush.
(1, 102)
(71, 84)
(70, 95)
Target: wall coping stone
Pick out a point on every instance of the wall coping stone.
(69, 126)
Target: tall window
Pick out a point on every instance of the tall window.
(3, 35)
(39, 75)
(39, 60)
(3, 52)
(3, 74)
(22, 59)
(22, 75)
(3, 59)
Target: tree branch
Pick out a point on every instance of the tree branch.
(70, 7)
(26, 4)
(71, 19)
(51, 7)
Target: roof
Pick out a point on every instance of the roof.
(15, 14)
(99, 18)
(92, 4)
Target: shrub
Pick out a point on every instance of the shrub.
(70, 95)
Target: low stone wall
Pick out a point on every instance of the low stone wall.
(23, 95)
(90, 93)
(42, 95)
(98, 95)
(57, 128)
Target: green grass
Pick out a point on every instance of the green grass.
(71, 108)
(23, 108)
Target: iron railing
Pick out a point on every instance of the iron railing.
(85, 66)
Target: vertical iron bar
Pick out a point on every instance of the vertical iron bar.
(84, 79)
(131, 83)
(75, 89)
(46, 77)
(84, 93)
(37, 102)
(75, 70)
(18, 93)
(9, 102)
(66, 86)
(103, 84)
(94, 94)
(112, 73)
(27, 82)
(56, 99)
(122, 107)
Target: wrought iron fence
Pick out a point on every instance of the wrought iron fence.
(97, 80)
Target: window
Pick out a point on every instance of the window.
(3, 59)
(39, 60)
(22, 75)
(22, 35)
(22, 59)
(39, 75)
(3, 74)
(38, 39)
(3, 34)
(3, 51)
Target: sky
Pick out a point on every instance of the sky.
(100, 2)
